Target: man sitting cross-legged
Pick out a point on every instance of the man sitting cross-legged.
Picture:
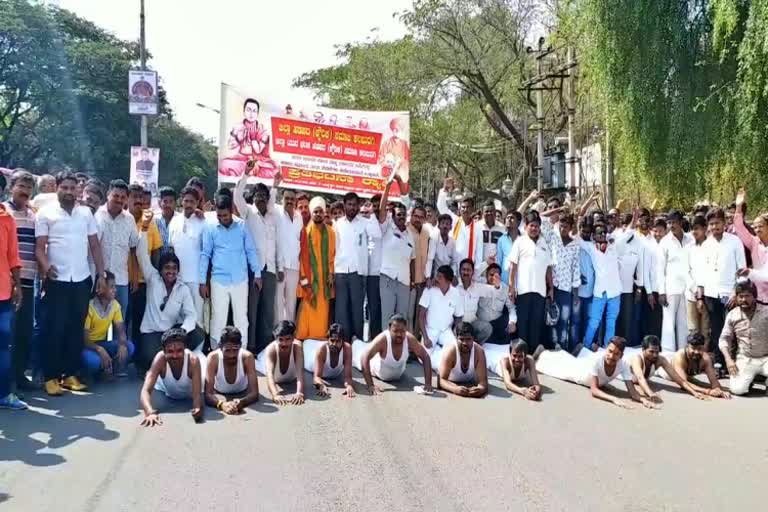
(231, 383)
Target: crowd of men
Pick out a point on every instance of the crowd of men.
(94, 280)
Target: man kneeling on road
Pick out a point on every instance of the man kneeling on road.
(645, 364)
(693, 360)
(176, 371)
(746, 327)
(387, 355)
(231, 383)
(463, 371)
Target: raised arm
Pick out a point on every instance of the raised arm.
(239, 197)
(533, 196)
(142, 253)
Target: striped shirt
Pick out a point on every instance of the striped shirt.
(25, 231)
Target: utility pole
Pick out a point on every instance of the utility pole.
(539, 122)
(143, 54)
(571, 99)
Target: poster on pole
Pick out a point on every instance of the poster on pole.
(142, 92)
(145, 168)
(315, 148)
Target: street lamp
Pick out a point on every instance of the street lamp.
(206, 107)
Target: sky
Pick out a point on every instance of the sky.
(255, 44)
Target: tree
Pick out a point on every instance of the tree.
(458, 72)
(63, 97)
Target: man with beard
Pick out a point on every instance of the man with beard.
(177, 372)
(420, 235)
(746, 327)
(316, 266)
(283, 361)
(505, 242)
(491, 231)
(462, 369)
(387, 355)
(513, 364)
(672, 270)
(290, 226)
(645, 364)
(22, 184)
(694, 360)
(168, 212)
(262, 222)
(231, 383)
(330, 359)
(65, 232)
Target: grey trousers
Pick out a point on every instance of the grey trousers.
(261, 312)
(348, 310)
(395, 297)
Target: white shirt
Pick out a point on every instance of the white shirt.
(471, 298)
(462, 245)
(185, 235)
(40, 201)
(375, 252)
(606, 265)
(631, 256)
(441, 253)
(532, 260)
(399, 249)
(289, 237)
(67, 239)
(352, 244)
(441, 309)
(672, 263)
(263, 229)
(117, 236)
(650, 265)
(490, 236)
(697, 269)
(622, 371)
(491, 307)
(723, 259)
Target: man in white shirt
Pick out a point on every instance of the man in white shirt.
(443, 197)
(397, 265)
(631, 264)
(491, 231)
(351, 262)
(118, 238)
(725, 256)
(290, 224)
(262, 222)
(469, 236)
(441, 308)
(372, 277)
(698, 318)
(649, 317)
(605, 299)
(673, 276)
(64, 233)
(530, 282)
(442, 248)
(496, 315)
(185, 235)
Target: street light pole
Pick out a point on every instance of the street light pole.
(143, 55)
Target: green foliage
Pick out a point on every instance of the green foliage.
(64, 99)
(684, 87)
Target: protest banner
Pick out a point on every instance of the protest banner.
(315, 148)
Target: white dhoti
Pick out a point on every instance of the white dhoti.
(560, 364)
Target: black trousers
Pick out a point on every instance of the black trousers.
(530, 321)
(137, 303)
(66, 304)
(151, 344)
(348, 310)
(624, 323)
(373, 294)
(22, 333)
(717, 312)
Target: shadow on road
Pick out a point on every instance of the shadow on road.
(26, 438)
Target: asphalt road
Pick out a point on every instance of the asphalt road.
(400, 451)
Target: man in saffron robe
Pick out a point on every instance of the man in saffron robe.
(249, 141)
(316, 262)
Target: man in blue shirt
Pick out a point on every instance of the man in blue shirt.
(504, 245)
(229, 248)
(580, 311)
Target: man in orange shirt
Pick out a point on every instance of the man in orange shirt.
(138, 201)
(10, 301)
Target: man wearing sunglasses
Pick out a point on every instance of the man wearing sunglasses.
(169, 300)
